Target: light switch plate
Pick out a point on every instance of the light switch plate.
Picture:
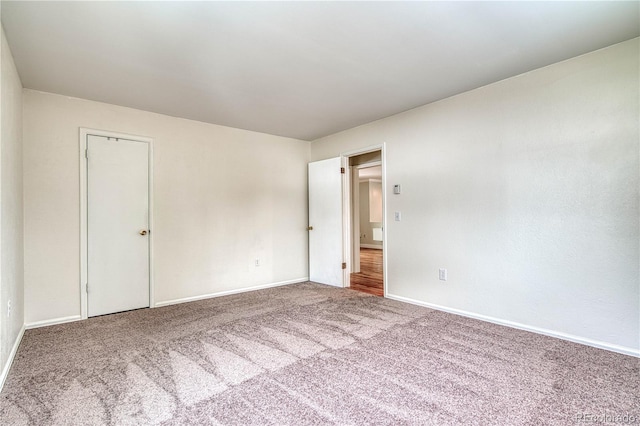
(442, 274)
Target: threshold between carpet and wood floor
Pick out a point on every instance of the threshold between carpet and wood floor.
(308, 354)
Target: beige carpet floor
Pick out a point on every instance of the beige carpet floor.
(308, 354)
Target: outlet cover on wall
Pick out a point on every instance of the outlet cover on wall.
(442, 274)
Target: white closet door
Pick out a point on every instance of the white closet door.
(117, 225)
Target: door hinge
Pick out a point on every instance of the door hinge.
(86, 287)
(342, 170)
(344, 265)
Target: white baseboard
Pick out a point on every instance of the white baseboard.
(12, 355)
(371, 246)
(229, 292)
(53, 321)
(557, 334)
(73, 318)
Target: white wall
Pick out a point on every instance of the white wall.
(527, 191)
(366, 226)
(11, 224)
(223, 197)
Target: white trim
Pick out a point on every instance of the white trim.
(12, 355)
(367, 165)
(152, 229)
(385, 251)
(229, 292)
(84, 132)
(371, 246)
(54, 321)
(354, 220)
(45, 323)
(346, 223)
(557, 334)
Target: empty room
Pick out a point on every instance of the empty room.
(345, 213)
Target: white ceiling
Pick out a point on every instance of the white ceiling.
(298, 69)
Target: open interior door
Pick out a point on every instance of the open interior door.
(325, 222)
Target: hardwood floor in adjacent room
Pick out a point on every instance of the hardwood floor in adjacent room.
(369, 279)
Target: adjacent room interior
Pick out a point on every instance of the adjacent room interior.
(366, 212)
(319, 212)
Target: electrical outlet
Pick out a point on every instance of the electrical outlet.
(398, 216)
(442, 274)
(257, 262)
(9, 308)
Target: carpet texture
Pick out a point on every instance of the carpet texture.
(308, 354)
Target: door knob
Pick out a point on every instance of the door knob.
(143, 232)
(310, 228)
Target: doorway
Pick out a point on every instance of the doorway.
(338, 255)
(116, 222)
(366, 219)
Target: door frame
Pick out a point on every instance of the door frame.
(347, 231)
(84, 132)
